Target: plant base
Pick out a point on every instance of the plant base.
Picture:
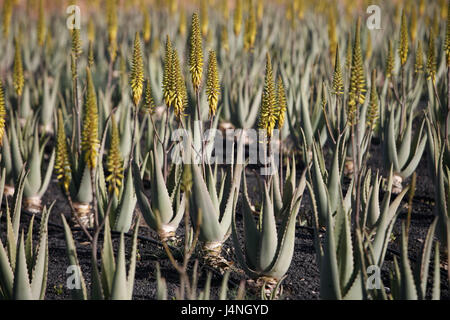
(84, 214)
(8, 191)
(211, 253)
(32, 204)
(348, 167)
(167, 233)
(397, 186)
(266, 285)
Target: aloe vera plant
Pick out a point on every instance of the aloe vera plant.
(31, 156)
(23, 268)
(164, 211)
(215, 208)
(268, 250)
(402, 150)
(342, 261)
(113, 282)
(411, 284)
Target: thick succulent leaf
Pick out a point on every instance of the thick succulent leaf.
(374, 203)
(384, 228)
(334, 180)
(286, 238)
(132, 267)
(345, 249)
(40, 268)
(34, 181)
(180, 213)
(412, 166)
(269, 238)
(202, 204)
(127, 205)
(6, 274)
(330, 288)
(108, 262)
(211, 184)
(436, 294)
(160, 199)
(21, 288)
(142, 200)
(238, 251)
(320, 190)
(77, 294)
(48, 175)
(408, 286)
(423, 262)
(391, 147)
(17, 202)
(161, 287)
(16, 155)
(251, 232)
(119, 289)
(405, 146)
(85, 189)
(29, 246)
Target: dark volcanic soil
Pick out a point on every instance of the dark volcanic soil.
(302, 281)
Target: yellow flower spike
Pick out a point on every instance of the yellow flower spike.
(111, 20)
(237, 18)
(62, 160)
(348, 55)
(41, 24)
(224, 8)
(168, 75)
(332, 38)
(114, 160)
(224, 38)
(431, 58)
(300, 9)
(447, 37)
(212, 83)
(149, 104)
(357, 80)
(413, 25)
(268, 110)
(250, 29)
(338, 81)
(76, 43)
(147, 27)
(2, 113)
(18, 79)
(204, 16)
(260, 10)
(444, 9)
(7, 14)
(390, 61)
(403, 44)
(91, 30)
(418, 66)
(180, 92)
(281, 103)
(173, 6)
(182, 23)
(196, 53)
(369, 47)
(137, 72)
(89, 135)
(421, 7)
(372, 115)
(91, 55)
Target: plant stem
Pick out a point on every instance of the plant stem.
(403, 119)
(197, 93)
(166, 127)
